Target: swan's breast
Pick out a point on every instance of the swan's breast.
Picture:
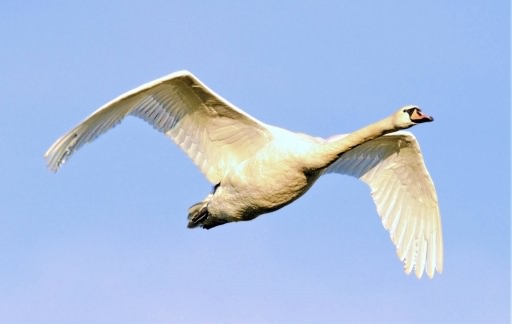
(269, 180)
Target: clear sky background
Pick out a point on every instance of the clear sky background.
(105, 239)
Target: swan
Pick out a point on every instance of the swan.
(258, 168)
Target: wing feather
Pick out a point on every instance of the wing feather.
(215, 134)
(404, 194)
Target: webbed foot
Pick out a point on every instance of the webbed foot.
(198, 215)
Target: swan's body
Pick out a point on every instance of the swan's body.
(258, 168)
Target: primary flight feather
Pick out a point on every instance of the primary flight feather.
(258, 168)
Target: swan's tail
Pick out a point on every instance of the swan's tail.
(198, 215)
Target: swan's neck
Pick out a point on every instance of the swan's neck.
(330, 151)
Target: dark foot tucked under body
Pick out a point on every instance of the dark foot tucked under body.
(198, 216)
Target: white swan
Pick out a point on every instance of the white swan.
(258, 168)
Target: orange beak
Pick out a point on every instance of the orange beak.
(418, 117)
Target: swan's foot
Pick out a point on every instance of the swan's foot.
(198, 215)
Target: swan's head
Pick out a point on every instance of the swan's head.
(409, 116)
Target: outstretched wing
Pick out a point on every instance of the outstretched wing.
(215, 134)
(393, 167)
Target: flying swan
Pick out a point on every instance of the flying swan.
(258, 168)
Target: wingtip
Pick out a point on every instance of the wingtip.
(420, 271)
(52, 163)
(52, 166)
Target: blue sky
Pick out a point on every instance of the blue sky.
(105, 239)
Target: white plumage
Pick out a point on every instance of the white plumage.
(258, 168)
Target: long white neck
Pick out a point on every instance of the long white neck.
(330, 151)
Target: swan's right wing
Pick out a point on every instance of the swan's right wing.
(393, 167)
(215, 134)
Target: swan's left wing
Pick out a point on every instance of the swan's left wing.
(393, 167)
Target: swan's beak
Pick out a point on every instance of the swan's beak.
(418, 117)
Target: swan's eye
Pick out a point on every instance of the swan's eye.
(410, 110)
